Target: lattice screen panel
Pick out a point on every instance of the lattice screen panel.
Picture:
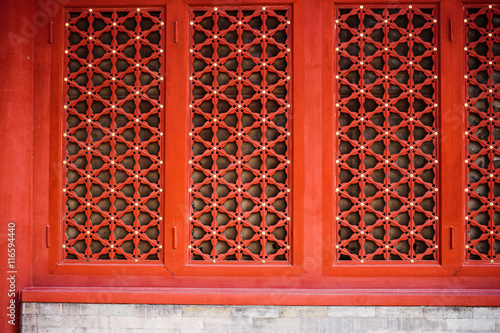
(482, 133)
(387, 133)
(240, 139)
(112, 124)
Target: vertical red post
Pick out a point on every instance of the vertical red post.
(17, 31)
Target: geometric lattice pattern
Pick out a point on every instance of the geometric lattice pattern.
(112, 122)
(482, 133)
(240, 139)
(386, 171)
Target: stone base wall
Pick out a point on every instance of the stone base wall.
(142, 318)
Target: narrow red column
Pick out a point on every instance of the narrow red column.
(17, 29)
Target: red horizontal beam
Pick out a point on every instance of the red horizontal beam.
(387, 297)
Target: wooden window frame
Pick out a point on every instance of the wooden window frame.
(314, 278)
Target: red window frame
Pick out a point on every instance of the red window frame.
(112, 147)
(474, 107)
(314, 277)
(176, 170)
(416, 190)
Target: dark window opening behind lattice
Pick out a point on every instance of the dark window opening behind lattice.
(240, 139)
(482, 132)
(112, 121)
(386, 136)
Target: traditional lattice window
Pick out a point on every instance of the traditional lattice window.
(386, 134)
(482, 132)
(240, 134)
(112, 125)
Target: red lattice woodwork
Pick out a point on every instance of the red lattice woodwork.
(112, 122)
(482, 132)
(387, 132)
(240, 138)
(314, 273)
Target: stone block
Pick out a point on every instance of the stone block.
(49, 308)
(273, 324)
(97, 309)
(162, 310)
(333, 325)
(471, 325)
(205, 311)
(86, 321)
(59, 330)
(393, 323)
(179, 323)
(395, 331)
(157, 310)
(121, 310)
(414, 324)
(367, 323)
(49, 320)
(351, 311)
(303, 312)
(216, 324)
(317, 324)
(71, 309)
(154, 330)
(29, 329)
(120, 330)
(399, 311)
(29, 308)
(434, 312)
(28, 320)
(254, 311)
(132, 322)
(486, 312)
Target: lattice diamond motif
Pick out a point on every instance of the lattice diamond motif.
(112, 134)
(240, 138)
(386, 134)
(482, 133)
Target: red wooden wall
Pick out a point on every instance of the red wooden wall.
(30, 167)
(16, 145)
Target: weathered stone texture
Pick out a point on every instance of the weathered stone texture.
(147, 318)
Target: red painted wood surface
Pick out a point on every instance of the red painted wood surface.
(482, 134)
(17, 31)
(273, 296)
(112, 129)
(240, 109)
(32, 184)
